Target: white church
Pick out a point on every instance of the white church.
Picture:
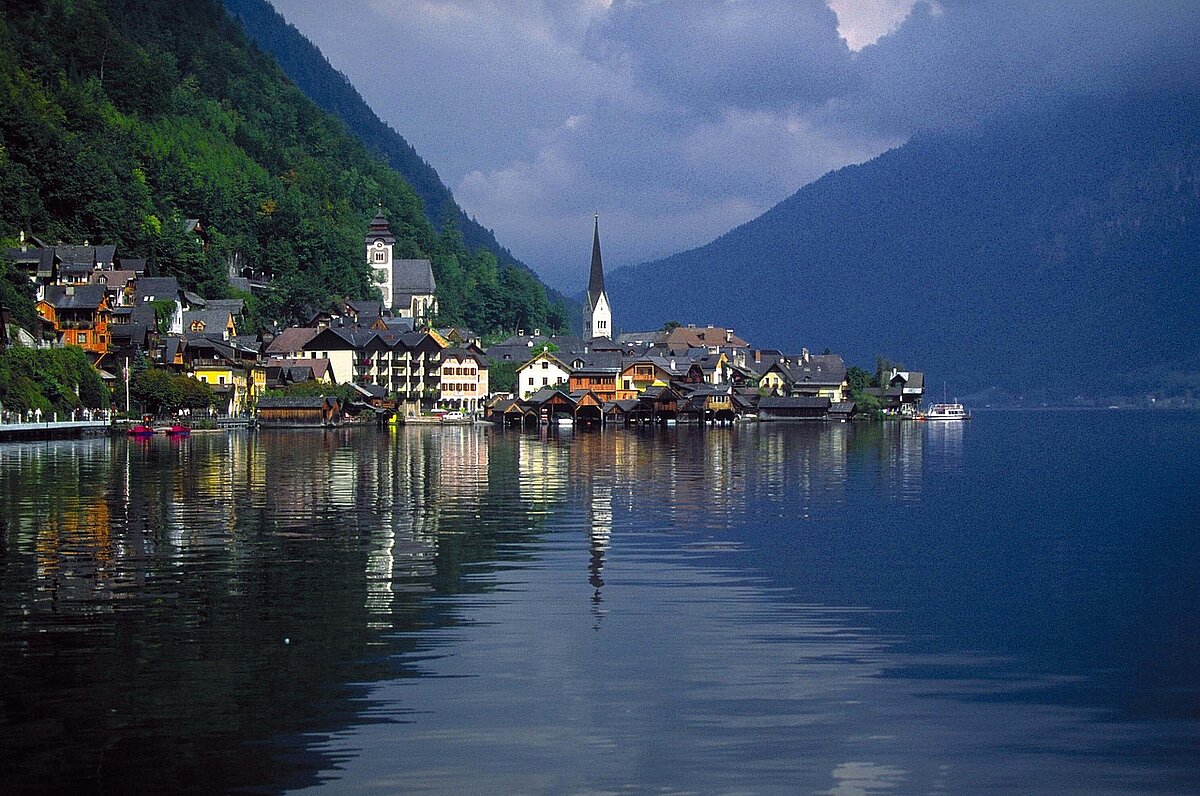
(408, 286)
(597, 312)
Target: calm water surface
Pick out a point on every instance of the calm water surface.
(1008, 605)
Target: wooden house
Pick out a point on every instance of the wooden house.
(299, 412)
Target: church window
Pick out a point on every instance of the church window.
(380, 256)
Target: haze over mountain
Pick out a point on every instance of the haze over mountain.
(312, 73)
(1053, 251)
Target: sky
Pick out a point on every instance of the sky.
(677, 120)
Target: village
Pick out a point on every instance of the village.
(398, 365)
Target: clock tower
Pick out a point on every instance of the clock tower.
(380, 241)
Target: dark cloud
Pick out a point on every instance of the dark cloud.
(678, 119)
(709, 55)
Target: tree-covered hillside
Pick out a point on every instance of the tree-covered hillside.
(121, 119)
(1057, 252)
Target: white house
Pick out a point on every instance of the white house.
(464, 379)
(544, 370)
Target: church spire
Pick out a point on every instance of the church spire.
(597, 314)
(596, 281)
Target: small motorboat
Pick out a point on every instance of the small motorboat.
(179, 430)
(140, 430)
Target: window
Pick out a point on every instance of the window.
(545, 381)
(379, 256)
(220, 380)
(531, 381)
(81, 337)
(545, 364)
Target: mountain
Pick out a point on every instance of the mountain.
(120, 119)
(315, 76)
(1058, 252)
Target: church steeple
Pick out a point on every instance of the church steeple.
(596, 281)
(597, 314)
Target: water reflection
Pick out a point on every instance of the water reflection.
(772, 607)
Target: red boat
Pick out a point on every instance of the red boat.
(140, 430)
(179, 430)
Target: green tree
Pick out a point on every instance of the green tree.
(157, 391)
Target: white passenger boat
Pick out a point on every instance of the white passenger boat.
(947, 412)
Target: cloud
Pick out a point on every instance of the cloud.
(679, 119)
(709, 55)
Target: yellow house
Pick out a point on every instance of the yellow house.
(229, 383)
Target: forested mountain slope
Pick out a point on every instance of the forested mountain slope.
(120, 119)
(1059, 252)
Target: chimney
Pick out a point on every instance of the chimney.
(804, 354)
(729, 335)
(758, 356)
(520, 332)
(70, 290)
(537, 332)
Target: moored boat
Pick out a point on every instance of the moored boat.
(179, 430)
(947, 412)
(140, 430)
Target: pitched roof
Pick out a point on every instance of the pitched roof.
(596, 277)
(235, 305)
(463, 354)
(206, 321)
(772, 402)
(79, 297)
(152, 288)
(702, 337)
(379, 230)
(597, 362)
(412, 277)
(291, 340)
(292, 402)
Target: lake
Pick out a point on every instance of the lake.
(1005, 605)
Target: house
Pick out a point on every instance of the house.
(290, 342)
(905, 390)
(773, 407)
(711, 338)
(641, 373)
(599, 373)
(806, 375)
(298, 412)
(551, 404)
(217, 322)
(542, 371)
(464, 379)
(225, 368)
(162, 293)
(79, 315)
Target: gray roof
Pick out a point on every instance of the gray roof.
(462, 354)
(211, 321)
(379, 230)
(79, 297)
(607, 362)
(596, 276)
(371, 308)
(235, 306)
(771, 402)
(545, 394)
(292, 402)
(412, 277)
(156, 288)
